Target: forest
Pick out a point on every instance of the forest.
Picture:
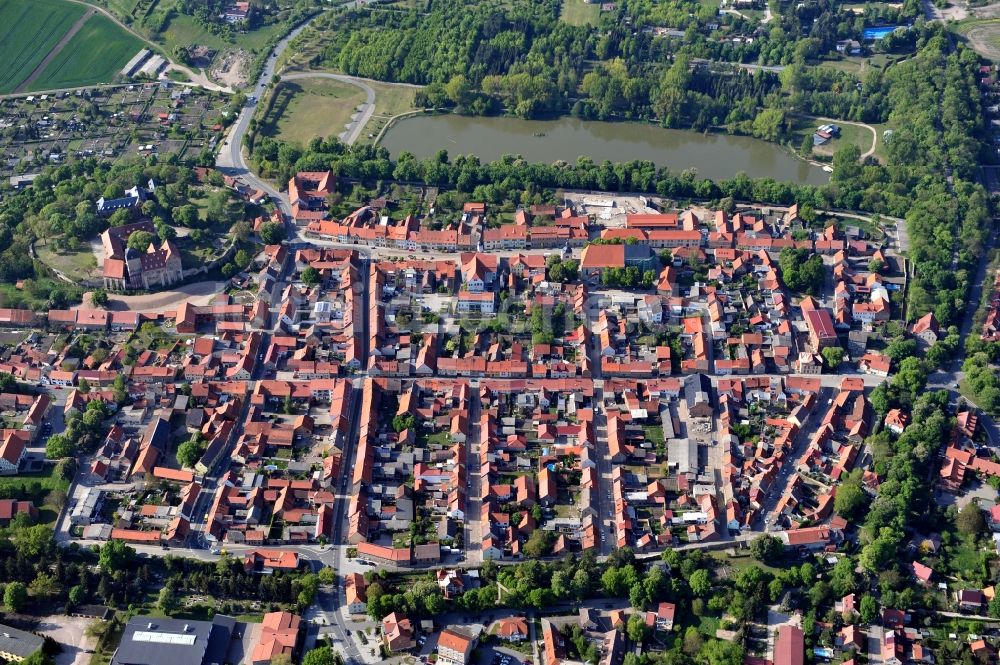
(644, 61)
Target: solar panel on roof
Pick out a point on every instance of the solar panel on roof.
(163, 638)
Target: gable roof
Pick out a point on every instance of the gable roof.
(453, 639)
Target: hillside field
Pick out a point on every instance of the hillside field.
(94, 55)
(28, 31)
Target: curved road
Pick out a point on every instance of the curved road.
(198, 79)
(230, 160)
(835, 121)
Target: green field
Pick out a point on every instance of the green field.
(28, 31)
(183, 30)
(578, 12)
(305, 109)
(390, 100)
(94, 55)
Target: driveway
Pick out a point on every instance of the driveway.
(71, 634)
(978, 491)
(241, 648)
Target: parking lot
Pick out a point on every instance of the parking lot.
(489, 654)
(71, 633)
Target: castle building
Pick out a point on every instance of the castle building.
(128, 268)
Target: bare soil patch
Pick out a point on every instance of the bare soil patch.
(231, 68)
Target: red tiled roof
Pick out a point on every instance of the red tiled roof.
(603, 256)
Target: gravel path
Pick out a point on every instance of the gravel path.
(198, 293)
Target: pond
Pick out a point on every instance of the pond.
(714, 156)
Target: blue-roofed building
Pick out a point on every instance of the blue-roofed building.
(133, 199)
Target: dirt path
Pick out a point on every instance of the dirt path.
(199, 79)
(991, 10)
(835, 121)
(75, 28)
(198, 293)
(121, 25)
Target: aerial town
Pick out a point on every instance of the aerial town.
(528, 333)
(598, 377)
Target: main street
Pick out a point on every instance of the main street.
(332, 602)
(604, 503)
(230, 160)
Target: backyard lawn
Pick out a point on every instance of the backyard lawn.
(578, 12)
(47, 490)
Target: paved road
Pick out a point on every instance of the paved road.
(779, 487)
(473, 534)
(951, 374)
(230, 160)
(333, 603)
(750, 67)
(330, 605)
